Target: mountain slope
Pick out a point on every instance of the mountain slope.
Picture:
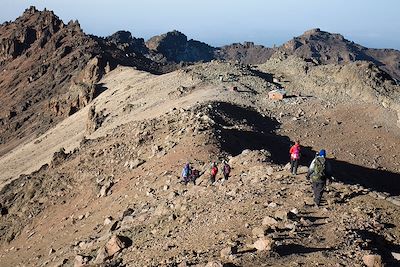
(123, 177)
(49, 71)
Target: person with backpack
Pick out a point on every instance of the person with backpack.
(319, 171)
(294, 157)
(214, 171)
(226, 170)
(186, 172)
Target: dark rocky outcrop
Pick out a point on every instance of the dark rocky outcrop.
(49, 71)
(247, 53)
(324, 48)
(127, 43)
(176, 47)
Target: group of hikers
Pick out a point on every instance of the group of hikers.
(319, 172)
(190, 175)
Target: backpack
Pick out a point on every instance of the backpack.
(186, 171)
(319, 169)
(296, 153)
(227, 169)
(214, 171)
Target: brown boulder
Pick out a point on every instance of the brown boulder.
(372, 260)
(114, 245)
(263, 244)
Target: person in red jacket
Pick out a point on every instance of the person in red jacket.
(214, 171)
(294, 157)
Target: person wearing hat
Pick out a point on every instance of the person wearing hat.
(319, 172)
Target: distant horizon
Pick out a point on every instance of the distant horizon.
(218, 29)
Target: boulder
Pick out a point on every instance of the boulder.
(135, 163)
(269, 221)
(263, 244)
(226, 252)
(114, 245)
(396, 256)
(108, 220)
(372, 260)
(258, 232)
(81, 261)
(281, 215)
(101, 256)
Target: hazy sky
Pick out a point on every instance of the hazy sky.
(371, 23)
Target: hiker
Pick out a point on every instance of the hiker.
(294, 157)
(186, 172)
(320, 171)
(194, 175)
(226, 170)
(214, 171)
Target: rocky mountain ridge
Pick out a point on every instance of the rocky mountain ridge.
(49, 71)
(315, 45)
(324, 48)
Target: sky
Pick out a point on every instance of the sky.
(371, 23)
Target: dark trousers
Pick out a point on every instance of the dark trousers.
(212, 178)
(226, 175)
(318, 188)
(294, 163)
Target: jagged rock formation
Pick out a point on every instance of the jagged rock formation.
(314, 45)
(176, 47)
(49, 71)
(247, 53)
(127, 43)
(325, 48)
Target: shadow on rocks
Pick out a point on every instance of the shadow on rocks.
(289, 249)
(378, 244)
(239, 128)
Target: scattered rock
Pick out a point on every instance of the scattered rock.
(372, 260)
(226, 253)
(81, 260)
(108, 220)
(101, 256)
(396, 256)
(281, 215)
(269, 221)
(114, 245)
(135, 163)
(263, 244)
(258, 232)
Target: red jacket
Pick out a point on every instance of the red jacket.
(295, 151)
